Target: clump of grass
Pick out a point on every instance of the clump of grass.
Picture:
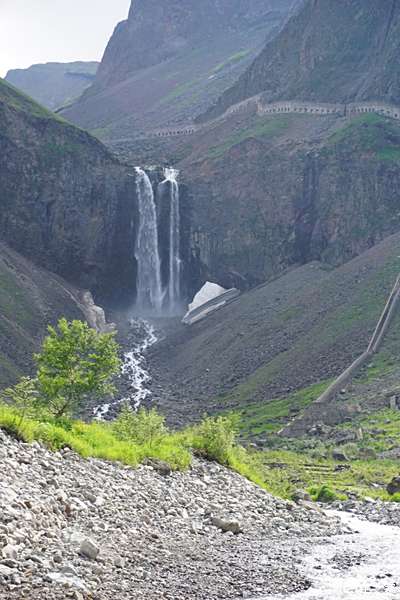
(325, 494)
(140, 427)
(215, 438)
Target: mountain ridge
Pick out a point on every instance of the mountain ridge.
(54, 84)
(328, 52)
(166, 63)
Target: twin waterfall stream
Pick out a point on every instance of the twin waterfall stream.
(150, 295)
(153, 299)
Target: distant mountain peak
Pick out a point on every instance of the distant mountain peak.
(54, 84)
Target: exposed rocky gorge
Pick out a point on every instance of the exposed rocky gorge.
(309, 188)
(71, 206)
(66, 202)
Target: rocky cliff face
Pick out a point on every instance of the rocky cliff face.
(330, 51)
(65, 201)
(170, 60)
(54, 84)
(267, 201)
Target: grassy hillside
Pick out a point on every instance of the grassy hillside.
(298, 331)
(30, 299)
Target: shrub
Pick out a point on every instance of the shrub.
(23, 397)
(395, 497)
(76, 362)
(324, 494)
(215, 437)
(142, 427)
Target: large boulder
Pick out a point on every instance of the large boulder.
(394, 486)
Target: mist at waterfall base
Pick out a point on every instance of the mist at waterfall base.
(152, 298)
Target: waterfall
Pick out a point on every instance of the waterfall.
(149, 290)
(174, 284)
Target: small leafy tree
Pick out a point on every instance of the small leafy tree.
(76, 362)
(142, 427)
(23, 397)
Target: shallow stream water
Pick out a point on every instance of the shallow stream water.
(134, 369)
(362, 566)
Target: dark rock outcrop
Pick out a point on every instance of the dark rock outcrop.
(329, 51)
(65, 201)
(54, 84)
(265, 204)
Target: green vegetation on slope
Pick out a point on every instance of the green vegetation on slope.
(213, 439)
(307, 463)
(271, 416)
(287, 471)
(373, 134)
(259, 128)
(96, 440)
(232, 60)
(21, 102)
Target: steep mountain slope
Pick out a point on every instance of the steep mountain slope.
(171, 60)
(65, 201)
(30, 299)
(54, 84)
(298, 330)
(330, 51)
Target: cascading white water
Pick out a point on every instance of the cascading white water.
(149, 289)
(174, 284)
(134, 370)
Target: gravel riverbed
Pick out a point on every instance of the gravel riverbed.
(88, 529)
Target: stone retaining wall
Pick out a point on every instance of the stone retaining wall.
(256, 105)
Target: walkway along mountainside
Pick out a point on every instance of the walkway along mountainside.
(257, 105)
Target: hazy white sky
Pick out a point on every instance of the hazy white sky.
(35, 31)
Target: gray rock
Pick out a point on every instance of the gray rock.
(339, 455)
(89, 549)
(301, 496)
(6, 571)
(394, 486)
(226, 525)
(162, 467)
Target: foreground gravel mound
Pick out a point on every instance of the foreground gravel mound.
(75, 528)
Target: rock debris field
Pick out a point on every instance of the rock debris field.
(88, 529)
